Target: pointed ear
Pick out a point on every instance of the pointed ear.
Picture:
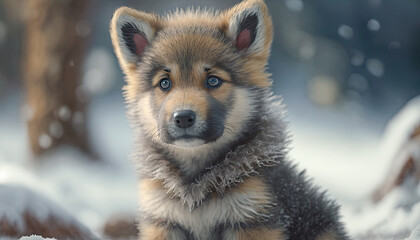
(131, 32)
(249, 26)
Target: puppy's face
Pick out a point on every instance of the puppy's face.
(194, 77)
(192, 83)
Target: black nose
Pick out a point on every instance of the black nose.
(184, 118)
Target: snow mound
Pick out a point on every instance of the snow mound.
(415, 235)
(396, 211)
(399, 129)
(35, 237)
(24, 212)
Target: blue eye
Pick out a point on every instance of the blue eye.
(165, 84)
(213, 82)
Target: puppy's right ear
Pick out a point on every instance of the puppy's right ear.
(131, 32)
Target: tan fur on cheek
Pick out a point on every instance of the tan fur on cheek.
(260, 234)
(159, 96)
(150, 185)
(147, 118)
(223, 92)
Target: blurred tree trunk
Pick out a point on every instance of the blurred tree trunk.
(54, 44)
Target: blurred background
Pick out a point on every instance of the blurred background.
(348, 71)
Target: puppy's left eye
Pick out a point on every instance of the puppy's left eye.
(213, 82)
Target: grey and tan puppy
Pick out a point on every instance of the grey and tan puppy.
(211, 141)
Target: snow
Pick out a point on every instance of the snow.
(415, 235)
(35, 237)
(294, 5)
(358, 82)
(83, 28)
(400, 127)
(400, 209)
(364, 161)
(100, 72)
(90, 190)
(357, 58)
(55, 129)
(16, 200)
(64, 113)
(375, 67)
(394, 45)
(373, 25)
(345, 31)
(44, 141)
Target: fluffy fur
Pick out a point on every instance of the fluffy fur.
(225, 176)
(264, 150)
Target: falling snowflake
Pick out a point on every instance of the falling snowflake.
(373, 25)
(358, 82)
(294, 5)
(307, 50)
(375, 3)
(83, 29)
(323, 90)
(357, 58)
(55, 129)
(375, 67)
(345, 31)
(44, 141)
(394, 45)
(100, 73)
(77, 121)
(64, 113)
(27, 112)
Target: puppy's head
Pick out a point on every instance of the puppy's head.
(193, 77)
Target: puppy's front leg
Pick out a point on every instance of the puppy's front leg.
(255, 234)
(156, 232)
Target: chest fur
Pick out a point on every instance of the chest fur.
(247, 202)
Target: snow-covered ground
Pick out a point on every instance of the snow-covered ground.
(348, 162)
(91, 190)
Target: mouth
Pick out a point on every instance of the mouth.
(190, 137)
(188, 141)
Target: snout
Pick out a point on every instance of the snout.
(190, 116)
(184, 118)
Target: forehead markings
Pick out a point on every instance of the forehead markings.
(186, 45)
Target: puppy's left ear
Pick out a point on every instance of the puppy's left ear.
(249, 26)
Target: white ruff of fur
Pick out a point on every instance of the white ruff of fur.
(266, 149)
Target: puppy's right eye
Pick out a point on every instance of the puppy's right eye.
(165, 84)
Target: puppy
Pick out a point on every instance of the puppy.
(211, 147)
